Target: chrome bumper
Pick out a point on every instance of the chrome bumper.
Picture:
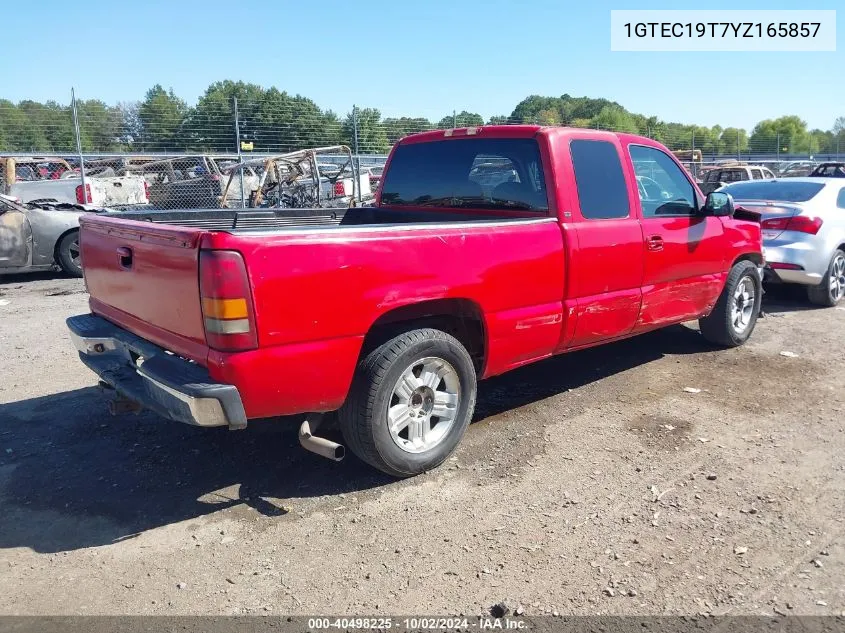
(146, 374)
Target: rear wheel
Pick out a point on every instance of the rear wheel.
(68, 255)
(735, 314)
(410, 403)
(831, 290)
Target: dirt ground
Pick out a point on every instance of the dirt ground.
(590, 483)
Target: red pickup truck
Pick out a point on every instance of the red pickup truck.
(487, 248)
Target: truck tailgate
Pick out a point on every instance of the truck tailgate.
(145, 278)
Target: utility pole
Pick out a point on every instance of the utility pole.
(79, 145)
(356, 181)
(240, 158)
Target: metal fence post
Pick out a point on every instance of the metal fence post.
(778, 147)
(454, 119)
(240, 157)
(79, 145)
(356, 172)
(738, 146)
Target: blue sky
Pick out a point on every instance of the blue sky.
(408, 58)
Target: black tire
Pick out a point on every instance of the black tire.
(719, 327)
(67, 254)
(364, 416)
(825, 293)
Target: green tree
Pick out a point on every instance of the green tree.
(211, 124)
(160, 118)
(397, 128)
(548, 117)
(825, 141)
(785, 134)
(616, 119)
(734, 141)
(461, 119)
(100, 126)
(372, 136)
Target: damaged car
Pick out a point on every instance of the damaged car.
(39, 237)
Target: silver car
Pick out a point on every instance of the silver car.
(39, 237)
(803, 231)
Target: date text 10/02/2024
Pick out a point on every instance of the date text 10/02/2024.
(416, 624)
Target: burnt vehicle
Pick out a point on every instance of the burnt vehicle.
(191, 182)
(37, 237)
(304, 179)
(829, 170)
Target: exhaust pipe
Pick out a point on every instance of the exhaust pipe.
(319, 445)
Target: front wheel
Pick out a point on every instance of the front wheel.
(410, 403)
(735, 314)
(68, 254)
(831, 290)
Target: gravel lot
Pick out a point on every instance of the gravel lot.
(590, 483)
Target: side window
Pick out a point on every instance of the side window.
(840, 199)
(767, 175)
(756, 174)
(602, 191)
(663, 187)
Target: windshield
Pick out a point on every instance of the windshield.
(467, 173)
(780, 190)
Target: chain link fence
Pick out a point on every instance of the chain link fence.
(282, 151)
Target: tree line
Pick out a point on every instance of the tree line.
(275, 121)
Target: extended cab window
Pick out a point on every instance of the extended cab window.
(475, 173)
(663, 187)
(602, 191)
(840, 199)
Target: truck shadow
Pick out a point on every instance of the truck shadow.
(781, 298)
(23, 278)
(73, 477)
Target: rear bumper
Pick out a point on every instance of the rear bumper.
(801, 252)
(175, 388)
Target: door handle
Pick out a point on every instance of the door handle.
(124, 257)
(655, 243)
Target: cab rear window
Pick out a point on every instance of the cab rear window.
(467, 173)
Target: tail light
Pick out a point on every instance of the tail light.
(86, 197)
(339, 190)
(227, 307)
(801, 223)
(146, 190)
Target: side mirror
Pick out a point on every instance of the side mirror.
(718, 204)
